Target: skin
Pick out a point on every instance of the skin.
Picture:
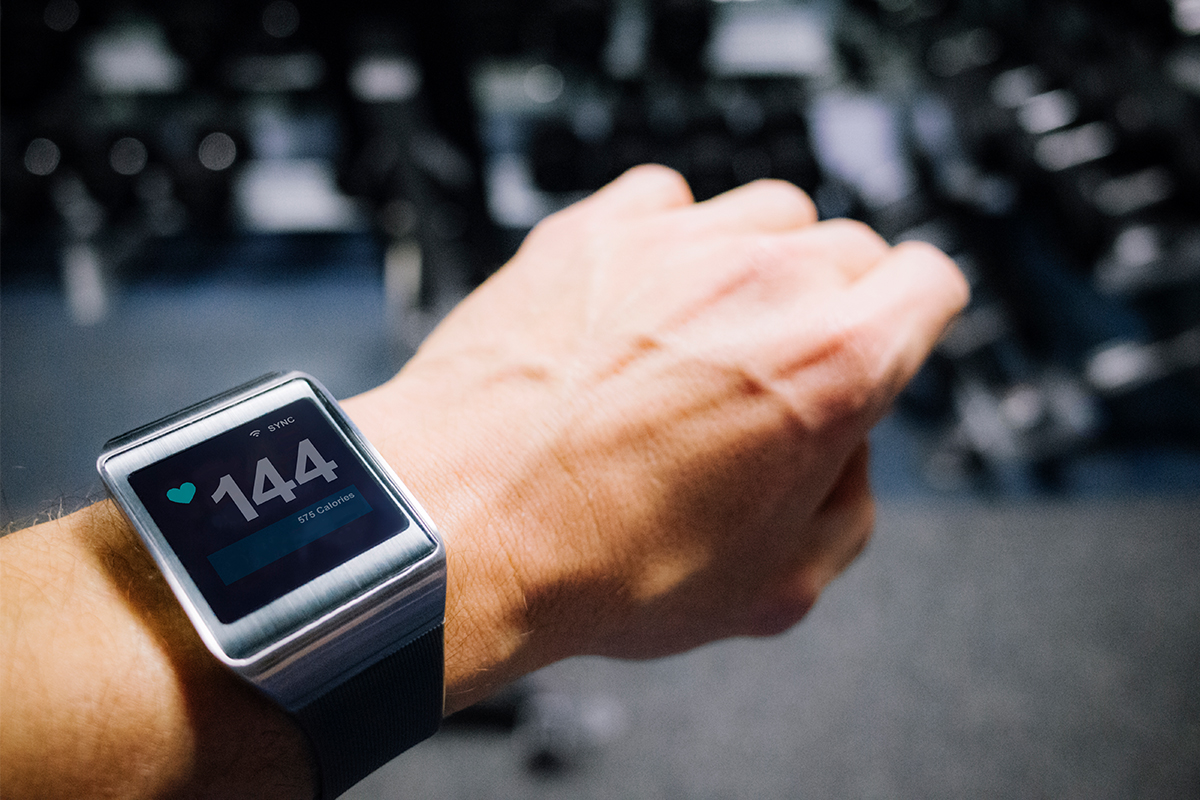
(644, 433)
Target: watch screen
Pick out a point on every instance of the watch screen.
(268, 506)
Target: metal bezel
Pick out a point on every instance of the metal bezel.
(313, 637)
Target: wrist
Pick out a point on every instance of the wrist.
(488, 641)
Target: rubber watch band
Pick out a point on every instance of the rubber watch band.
(369, 719)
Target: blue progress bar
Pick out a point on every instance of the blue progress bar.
(288, 534)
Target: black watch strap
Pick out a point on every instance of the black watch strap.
(366, 721)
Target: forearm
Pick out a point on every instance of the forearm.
(488, 642)
(107, 689)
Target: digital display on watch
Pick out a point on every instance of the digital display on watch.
(266, 507)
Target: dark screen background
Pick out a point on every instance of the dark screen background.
(201, 527)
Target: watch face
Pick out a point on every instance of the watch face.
(267, 506)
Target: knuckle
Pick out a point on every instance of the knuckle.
(937, 271)
(841, 376)
(856, 364)
(857, 233)
(666, 184)
(951, 276)
(757, 267)
(784, 194)
(924, 250)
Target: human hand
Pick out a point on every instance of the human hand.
(648, 430)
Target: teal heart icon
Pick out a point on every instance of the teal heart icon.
(183, 494)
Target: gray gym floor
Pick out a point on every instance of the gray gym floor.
(1032, 647)
(974, 651)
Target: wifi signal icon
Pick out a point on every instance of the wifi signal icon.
(255, 433)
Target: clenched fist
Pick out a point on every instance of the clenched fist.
(648, 430)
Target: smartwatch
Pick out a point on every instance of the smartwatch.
(304, 563)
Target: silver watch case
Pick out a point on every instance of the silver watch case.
(316, 636)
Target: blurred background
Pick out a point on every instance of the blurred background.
(195, 192)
